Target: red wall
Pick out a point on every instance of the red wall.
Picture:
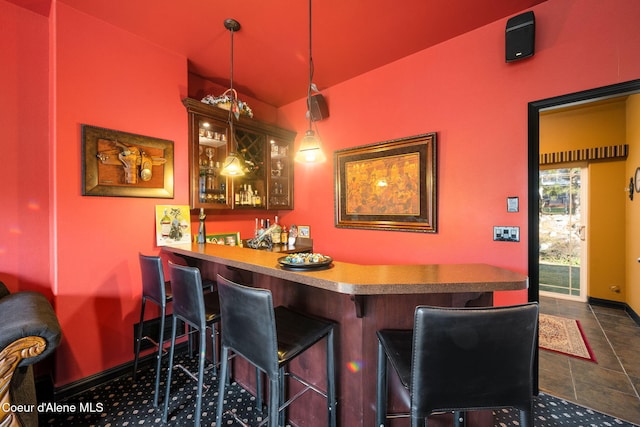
(477, 103)
(24, 150)
(103, 76)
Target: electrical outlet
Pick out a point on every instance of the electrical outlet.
(506, 234)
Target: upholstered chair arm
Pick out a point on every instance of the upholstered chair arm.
(29, 332)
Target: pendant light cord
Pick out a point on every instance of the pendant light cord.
(232, 93)
(310, 67)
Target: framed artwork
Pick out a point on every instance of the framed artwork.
(304, 231)
(229, 239)
(173, 224)
(123, 164)
(388, 186)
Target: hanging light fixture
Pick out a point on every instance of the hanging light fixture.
(310, 150)
(232, 165)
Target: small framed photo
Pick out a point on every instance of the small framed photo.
(303, 231)
(513, 204)
(229, 239)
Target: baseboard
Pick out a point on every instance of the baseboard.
(84, 384)
(616, 304)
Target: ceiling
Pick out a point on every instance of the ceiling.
(271, 49)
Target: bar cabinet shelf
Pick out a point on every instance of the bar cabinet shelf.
(266, 151)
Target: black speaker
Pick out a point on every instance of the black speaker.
(520, 36)
(318, 108)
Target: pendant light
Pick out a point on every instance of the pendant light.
(310, 150)
(232, 165)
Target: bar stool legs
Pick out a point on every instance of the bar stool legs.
(277, 390)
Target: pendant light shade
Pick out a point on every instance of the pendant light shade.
(310, 150)
(233, 165)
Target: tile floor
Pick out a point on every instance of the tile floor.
(611, 385)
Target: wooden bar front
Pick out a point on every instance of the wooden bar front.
(361, 299)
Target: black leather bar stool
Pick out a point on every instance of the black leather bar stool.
(199, 310)
(460, 359)
(270, 338)
(158, 291)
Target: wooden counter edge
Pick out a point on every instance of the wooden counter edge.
(333, 279)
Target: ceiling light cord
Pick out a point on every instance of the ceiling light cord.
(310, 64)
(233, 164)
(310, 150)
(233, 96)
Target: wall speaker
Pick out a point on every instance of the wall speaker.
(520, 36)
(318, 108)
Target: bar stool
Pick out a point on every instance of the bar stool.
(456, 360)
(269, 338)
(158, 291)
(200, 311)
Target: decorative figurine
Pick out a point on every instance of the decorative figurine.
(202, 234)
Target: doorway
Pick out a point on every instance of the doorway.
(533, 173)
(562, 225)
(534, 110)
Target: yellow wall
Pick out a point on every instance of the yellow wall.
(606, 231)
(633, 207)
(595, 125)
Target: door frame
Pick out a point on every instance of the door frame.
(533, 114)
(534, 109)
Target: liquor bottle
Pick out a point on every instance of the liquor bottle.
(202, 186)
(284, 235)
(276, 233)
(242, 195)
(256, 229)
(248, 195)
(165, 225)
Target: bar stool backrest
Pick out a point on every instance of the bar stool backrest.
(248, 324)
(153, 279)
(473, 358)
(188, 297)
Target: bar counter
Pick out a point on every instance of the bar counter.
(361, 299)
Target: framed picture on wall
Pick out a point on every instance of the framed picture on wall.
(173, 224)
(304, 231)
(122, 164)
(388, 186)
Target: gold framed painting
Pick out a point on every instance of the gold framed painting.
(388, 186)
(122, 164)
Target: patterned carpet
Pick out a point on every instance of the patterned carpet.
(123, 403)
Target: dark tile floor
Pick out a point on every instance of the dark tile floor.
(612, 384)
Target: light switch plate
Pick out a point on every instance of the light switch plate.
(506, 234)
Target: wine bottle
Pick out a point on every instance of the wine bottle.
(165, 225)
